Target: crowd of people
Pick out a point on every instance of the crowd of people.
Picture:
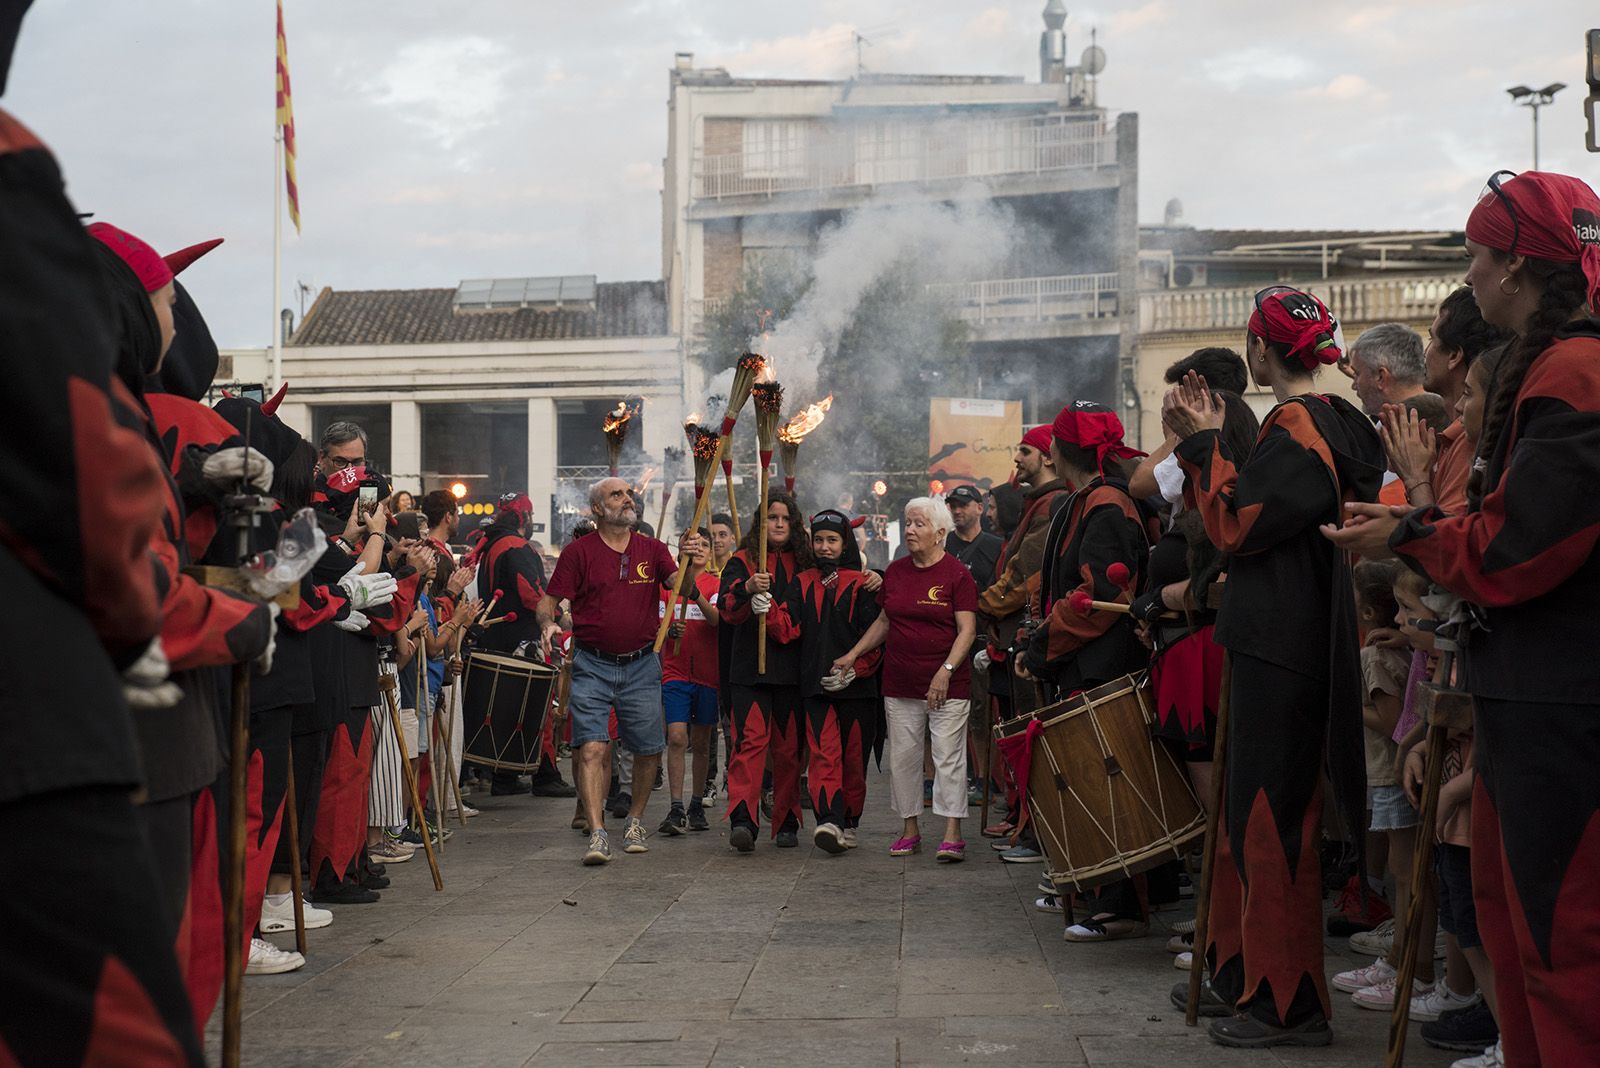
(1323, 575)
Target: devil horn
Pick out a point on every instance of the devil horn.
(177, 261)
(270, 405)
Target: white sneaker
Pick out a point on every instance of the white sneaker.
(1492, 1057)
(848, 836)
(466, 810)
(633, 837)
(279, 918)
(1380, 996)
(268, 959)
(1379, 971)
(1183, 961)
(1440, 1000)
(1376, 942)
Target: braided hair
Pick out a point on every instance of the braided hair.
(1563, 292)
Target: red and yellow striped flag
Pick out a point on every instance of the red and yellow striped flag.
(286, 123)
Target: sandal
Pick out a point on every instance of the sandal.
(1107, 929)
(906, 846)
(1048, 903)
(952, 852)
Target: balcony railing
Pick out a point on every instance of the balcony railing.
(1066, 296)
(1352, 300)
(850, 157)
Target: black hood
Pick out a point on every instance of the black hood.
(138, 332)
(839, 523)
(1357, 452)
(191, 362)
(270, 435)
(11, 12)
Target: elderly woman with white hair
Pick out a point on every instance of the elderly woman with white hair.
(929, 619)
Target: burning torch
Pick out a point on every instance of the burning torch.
(745, 373)
(769, 403)
(792, 433)
(706, 447)
(617, 423)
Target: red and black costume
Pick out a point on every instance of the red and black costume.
(1527, 554)
(86, 953)
(766, 709)
(835, 610)
(1288, 622)
(1187, 665)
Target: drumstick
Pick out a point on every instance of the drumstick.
(1083, 604)
(509, 617)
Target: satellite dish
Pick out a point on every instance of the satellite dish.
(1093, 61)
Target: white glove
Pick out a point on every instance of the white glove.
(355, 622)
(144, 682)
(264, 661)
(368, 591)
(226, 467)
(761, 603)
(835, 681)
(980, 662)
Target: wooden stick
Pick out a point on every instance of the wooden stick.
(703, 499)
(733, 502)
(988, 762)
(421, 660)
(292, 828)
(667, 490)
(1208, 859)
(389, 686)
(233, 916)
(1126, 609)
(440, 792)
(761, 563)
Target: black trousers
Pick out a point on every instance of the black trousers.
(86, 956)
(309, 753)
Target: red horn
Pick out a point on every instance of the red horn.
(177, 261)
(270, 405)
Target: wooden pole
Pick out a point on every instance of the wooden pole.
(733, 502)
(389, 687)
(703, 499)
(233, 916)
(988, 762)
(1208, 859)
(761, 563)
(292, 820)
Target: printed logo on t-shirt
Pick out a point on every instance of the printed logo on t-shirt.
(935, 596)
(641, 574)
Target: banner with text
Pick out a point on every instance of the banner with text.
(972, 440)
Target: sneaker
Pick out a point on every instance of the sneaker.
(621, 806)
(1022, 855)
(553, 786)
(1354, 911)
(1048, 903)
(1183, 961)
(268, 959)
(599, 849)
(1180, 943)
(1047, 885)
(742, 837)
(675, 824)
(347, 892)
(1492, 1057)
(786, 839)
(1107, 930)
(633, 837)
(697, 819)
(1211, 1004)
(828, 838)
(1469, 1029)
(848, 837)
(1380, 996)
(466, 810)
(1244, 1031)
(1440, 1000)
(1379, 971)
(278, 918)
(389, 852)
(1376, 942)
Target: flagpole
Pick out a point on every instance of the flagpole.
(277, 259)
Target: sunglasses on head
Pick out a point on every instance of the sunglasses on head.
(1492, 188)
(1298, 303)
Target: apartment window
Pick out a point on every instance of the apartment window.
(775, 148)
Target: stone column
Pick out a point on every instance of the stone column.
(542, 465)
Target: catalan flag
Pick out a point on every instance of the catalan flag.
(286, 123)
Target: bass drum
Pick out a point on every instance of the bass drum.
(503, 708)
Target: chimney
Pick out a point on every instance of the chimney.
(683, 60)
(1053, 44)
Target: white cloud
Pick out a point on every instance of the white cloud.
(1259, 64)
(448, 88)
(1345, 88)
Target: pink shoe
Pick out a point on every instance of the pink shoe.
(906, 846)
(952, 852)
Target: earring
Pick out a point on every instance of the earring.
(1510, 293)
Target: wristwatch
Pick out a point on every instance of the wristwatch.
(949, 667)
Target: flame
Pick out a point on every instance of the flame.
(936, 487)
(879, 488)
(692, 420)
(617, 420)
(644, 480)
(805, 421)
(767, 374)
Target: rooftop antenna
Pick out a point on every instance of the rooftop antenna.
(1093, 61)
(860, 40)
(302, 291)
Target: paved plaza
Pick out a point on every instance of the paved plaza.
(693, 955)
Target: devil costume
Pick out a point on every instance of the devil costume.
(1288, 622)
(835, 610)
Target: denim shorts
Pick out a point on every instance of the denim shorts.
(1390, 809)
(689, 702)
(633, 689)
(1457, 914)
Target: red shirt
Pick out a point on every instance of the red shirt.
(696, 659)
(615, 596)
(921, 603)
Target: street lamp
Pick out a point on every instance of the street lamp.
(1535, 99)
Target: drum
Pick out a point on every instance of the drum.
(503, 707)
(1107, 798)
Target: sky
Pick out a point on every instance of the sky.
(499, 138)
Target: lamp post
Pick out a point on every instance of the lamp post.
(1535, 99)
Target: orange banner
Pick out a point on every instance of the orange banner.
(972, 440)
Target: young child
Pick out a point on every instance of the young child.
(689, 669)
(420, 647)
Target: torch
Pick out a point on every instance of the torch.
(769, 402)
(744, 380)
(617, 423)
(792, 433)
(706, 446)
(703, 446)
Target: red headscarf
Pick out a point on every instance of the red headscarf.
(1093, 426)
(145, 262)
(1038, 437)
(1300, 322)
(1557, 218)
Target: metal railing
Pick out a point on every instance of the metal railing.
(1064, 296)
(851, 157)
(1352, 300)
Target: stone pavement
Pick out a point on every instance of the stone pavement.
(694, 955)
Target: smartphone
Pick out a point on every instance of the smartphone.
(367, 500)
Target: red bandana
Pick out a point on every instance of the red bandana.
(1038, 437)
(143, 260)
(1300, 322)
(1557, 218)
(1093, 426)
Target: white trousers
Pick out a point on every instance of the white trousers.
(911, 723)
(386, 800)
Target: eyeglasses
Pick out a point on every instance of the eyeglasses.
(1271, 291)
(340, 463)
(1492, 188)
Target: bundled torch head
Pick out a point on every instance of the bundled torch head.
(616, 425)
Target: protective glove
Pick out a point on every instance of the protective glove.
(355, 622)
(981, 661)
(368, 591)
(144, 682)
(1149, 606)
(761, 603)
(835, 681)
(226, 467)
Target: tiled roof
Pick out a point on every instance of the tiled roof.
(425, 316)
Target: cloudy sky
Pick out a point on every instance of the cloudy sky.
(480, 138)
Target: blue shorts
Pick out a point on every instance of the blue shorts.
(633, 689)
(1390, 809)
(689, 702)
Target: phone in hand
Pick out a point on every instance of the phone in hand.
(367, 500)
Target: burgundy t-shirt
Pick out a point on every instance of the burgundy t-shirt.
(921, 603)
(615, 596)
